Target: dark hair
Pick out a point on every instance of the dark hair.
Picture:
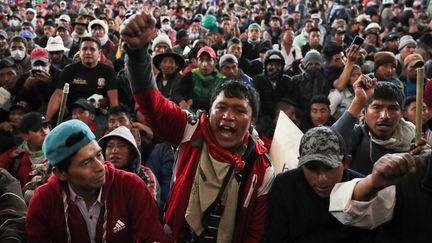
(408, 100)
(221, 31)
(284, 102)
(19, 39)
(331, 49)
(234, 40)
(63, 165)
(314, 29)
(387, 91)
(93, 39)
(180, 34)
(240, 90)
(320, 99)
(7, 63)
(121, 108)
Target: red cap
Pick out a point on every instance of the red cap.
(208, 50)
(39, 54)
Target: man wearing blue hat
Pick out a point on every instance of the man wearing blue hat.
(87, 199)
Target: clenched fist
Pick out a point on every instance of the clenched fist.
(138, 30)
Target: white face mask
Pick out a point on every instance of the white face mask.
(18, 55)
(165, 27)
(194, 36)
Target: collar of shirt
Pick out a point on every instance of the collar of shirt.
(75, 197)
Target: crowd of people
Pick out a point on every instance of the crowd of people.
(152, 121)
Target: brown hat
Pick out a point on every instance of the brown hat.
(384, 57)
(80, 20)
(413, 59)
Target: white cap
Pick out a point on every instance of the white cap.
(65, 18)
(387, 2)
(55, 44)
(373, 26)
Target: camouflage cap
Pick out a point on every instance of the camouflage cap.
(322, 144)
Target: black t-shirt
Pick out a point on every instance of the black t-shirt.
(84, 82)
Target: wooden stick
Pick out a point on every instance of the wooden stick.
(63, 103)
(419, 102)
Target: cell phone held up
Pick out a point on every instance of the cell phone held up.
(357, 41)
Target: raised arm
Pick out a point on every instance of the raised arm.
(166, 118)
(364, 88)
(353, 54)
(137, 33)
(369, 202)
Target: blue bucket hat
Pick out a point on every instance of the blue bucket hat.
(65, 140)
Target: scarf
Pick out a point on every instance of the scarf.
(76, 37)
(401, 139)
(254, 42)
(104, 39)
(207, 183)
(36, 157)
(221, 154)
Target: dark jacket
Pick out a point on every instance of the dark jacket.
(297, 214)
(364, 152)
(307, 85)
(413, 211)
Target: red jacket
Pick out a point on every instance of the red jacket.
(171, 123)
(126, 200)
(20, 171)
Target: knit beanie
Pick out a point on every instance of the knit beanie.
(312, 55)
(405, 40)
(161, 39)
(384, 57)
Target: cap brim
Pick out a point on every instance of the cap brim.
(416, 63)
(56, 49)
(37, 126)
(210, 54)
(332, 161)
(39, 59)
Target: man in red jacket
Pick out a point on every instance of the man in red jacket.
(87, 199)
(222, 176)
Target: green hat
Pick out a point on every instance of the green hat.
(255, 26)
(65, 140)
(210, 22)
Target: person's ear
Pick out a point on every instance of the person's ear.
(346, 161)
(61, 175)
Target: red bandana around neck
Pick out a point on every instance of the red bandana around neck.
(217, 152)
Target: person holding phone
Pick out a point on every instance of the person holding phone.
(40, 81)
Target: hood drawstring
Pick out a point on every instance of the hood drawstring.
(104, 223)
(65, 211)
